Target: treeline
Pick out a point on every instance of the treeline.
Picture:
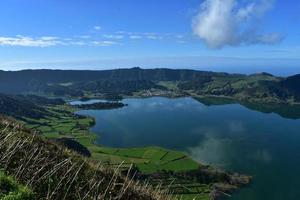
(41, 100)
(126, 87)
(101, 105)
(74, 146)
(59, 90)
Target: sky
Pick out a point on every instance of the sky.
(219, 35)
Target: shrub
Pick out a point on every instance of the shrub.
(11, 190)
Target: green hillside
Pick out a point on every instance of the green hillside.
(53, 172)
(261, 87)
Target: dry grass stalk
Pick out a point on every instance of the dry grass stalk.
(54, 173)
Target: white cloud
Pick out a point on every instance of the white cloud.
(222, 23)
(84, 36)
(108, 39)
(135, 37)
(270, 38)
(154, 37)
(23, 41)
(179, 36)
(104, 43)
(97, 28)
(150, 35)
(49, 41)
(115, 37)
(181, 41)
(48, 38)
(78, 43)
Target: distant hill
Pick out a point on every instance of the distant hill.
(262, 87)
(292, 84)
(39, 80)
(26, 106)
(116, 86)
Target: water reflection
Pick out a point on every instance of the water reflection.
(284, 110)
(211, 151)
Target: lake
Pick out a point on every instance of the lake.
(231, 137)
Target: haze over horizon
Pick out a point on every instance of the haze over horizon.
(218, 35)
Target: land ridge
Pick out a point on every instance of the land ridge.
(261, 87)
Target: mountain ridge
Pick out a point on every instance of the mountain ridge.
(262, 87)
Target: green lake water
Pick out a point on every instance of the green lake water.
(231, 137)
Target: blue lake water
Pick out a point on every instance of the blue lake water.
(231, 137)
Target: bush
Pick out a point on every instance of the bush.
(11, 190)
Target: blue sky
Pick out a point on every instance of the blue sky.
(220, 35)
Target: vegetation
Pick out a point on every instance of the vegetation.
(42, 101)
(101, 105)
(292, 83)
(256, 88)
(61, 90)
(11, 190)
(74, 146)
(253, 88)
(52, 172)
(126, 87)
(20, 106)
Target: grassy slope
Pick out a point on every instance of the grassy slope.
(53, 172)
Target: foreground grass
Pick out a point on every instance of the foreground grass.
(11, 190)
(54, 172)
